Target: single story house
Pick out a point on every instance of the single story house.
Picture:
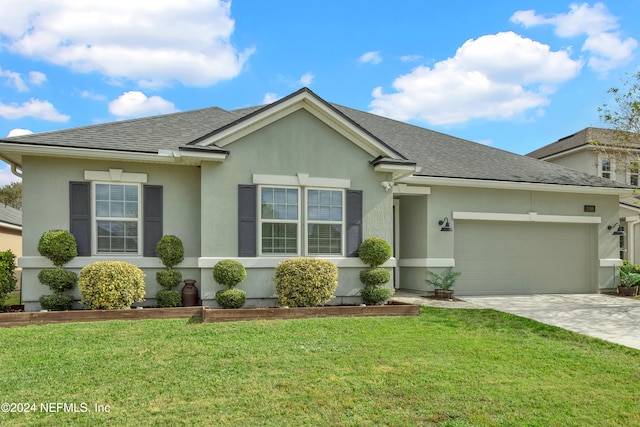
(305, 177)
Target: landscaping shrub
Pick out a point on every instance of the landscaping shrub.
(111, 284)
(57, 302)
(375, 276)
(375, 295)
(59, 246)
(231, 298)
(58, 279)
(7, 276)
(170, 250)
(169, 298)
(374, 251)
(305, 282)
(229, 273)
(168, 278)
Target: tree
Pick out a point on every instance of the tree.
(621, 141)
(11, 195)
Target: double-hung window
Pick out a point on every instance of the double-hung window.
(301, 221)
(606, 168)
(117, 218)
(634, 168)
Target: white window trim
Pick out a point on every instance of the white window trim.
(94, 221)
(612, 175)
(342, 222)
(302, 244)
(280, 221)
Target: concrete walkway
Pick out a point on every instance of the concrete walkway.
(610, 318)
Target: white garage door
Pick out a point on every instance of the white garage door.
(524, 258)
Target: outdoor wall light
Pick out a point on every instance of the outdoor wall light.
(617, 232)
(445, 225)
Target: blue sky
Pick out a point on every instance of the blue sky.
(513, 75)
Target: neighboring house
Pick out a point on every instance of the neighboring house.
(304, 177)
(584, 152)
(11, 233)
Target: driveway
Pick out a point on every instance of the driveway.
(607, 317)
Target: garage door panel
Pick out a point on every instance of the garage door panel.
(520, 258)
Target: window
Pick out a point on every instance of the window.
(285, 229)
(633, 173)
(117, 218)
(606, 168)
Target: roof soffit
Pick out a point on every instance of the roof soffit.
(302, 100)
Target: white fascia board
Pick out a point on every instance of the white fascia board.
(10, 226)
(216, 157)
(410, 190)
(312, 105)
(565, 153)
(511, 185)
(630, 207)
(399, 171)
(528, 217)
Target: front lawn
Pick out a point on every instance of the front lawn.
(444, 367)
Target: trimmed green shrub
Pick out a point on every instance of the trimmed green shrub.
(374, 251)
(229, 273)
(58, 279)
(169, 298)
(231, 298)
(375, 295)
(169, 278)
(7, 276)
(170, 250)
(59, 246)
(111, 285)
(57, 302)
(305, 282)
(375, 276)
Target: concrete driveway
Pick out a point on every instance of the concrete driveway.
(607, 317)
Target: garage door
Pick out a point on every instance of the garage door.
(524, 258)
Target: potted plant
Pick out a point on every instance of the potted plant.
(443, 283)
(629, 279)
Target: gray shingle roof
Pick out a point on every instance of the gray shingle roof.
(438, 154)
(10, 215)
(582, 138)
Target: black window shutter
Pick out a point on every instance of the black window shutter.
(354, 222)
(247, 220)
(152, 218)
(80, 215)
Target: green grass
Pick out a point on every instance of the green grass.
(444, 367)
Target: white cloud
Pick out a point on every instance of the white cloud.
(498, 76)
(185, 41)
(306, 79)
(410, 58)
(19, 132)
(92, 95)
(604, 43)
(136, 104)
(372, 57)
(14, 79)
(270, 97)
(6, 176)
(33, 108)
(37, 78)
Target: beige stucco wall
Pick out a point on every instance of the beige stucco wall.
(11, 239)
(46, 206)
(420, 224)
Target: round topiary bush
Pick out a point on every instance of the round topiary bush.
(59, 246)
(229, 273)
(375, 276)
(305, 282)
(111, 285)
(58, 279)
(170, 250)
(375, 295)
(56, 302)
(231, 298)
(169, 278)
(374, 251)
(169, 298)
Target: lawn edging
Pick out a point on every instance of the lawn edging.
(205, 314)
